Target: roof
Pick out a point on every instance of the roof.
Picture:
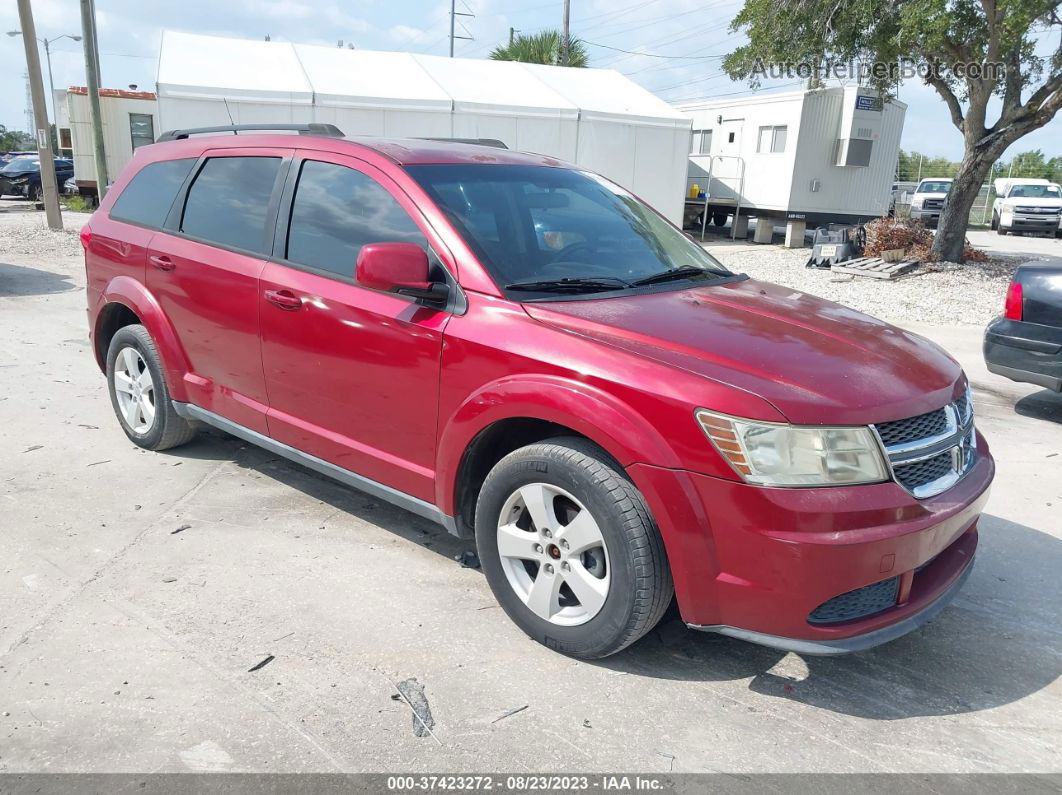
(281, 72)
(403, 151)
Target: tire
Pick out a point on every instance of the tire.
(631, 585)
(1001, 231)
(36, 193)
(719, 219)
(132, 351)
(995, 221)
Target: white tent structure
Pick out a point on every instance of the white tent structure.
(595, 118)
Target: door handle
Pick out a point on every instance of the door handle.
(162, 262)
(285, 299)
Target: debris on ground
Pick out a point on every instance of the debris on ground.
(169, 579)
(510, 713)
(468, 559)
(412, 692)
(180, 529)
(260, 665)
(34, 447)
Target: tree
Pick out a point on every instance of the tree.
(544, 47)
(14, 141)
(967, 50)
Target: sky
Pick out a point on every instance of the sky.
(697, 30)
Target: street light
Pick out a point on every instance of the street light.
(48, 57)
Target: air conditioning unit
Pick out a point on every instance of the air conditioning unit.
(861, 118)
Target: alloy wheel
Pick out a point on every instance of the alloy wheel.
(553, 554)
(134, 389)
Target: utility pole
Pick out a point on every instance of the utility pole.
(454, 14)
(92, 78)
(512, 36)
(565, 34)
(40, 117)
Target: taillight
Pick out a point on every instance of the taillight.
(86, 236)
(1012, 307)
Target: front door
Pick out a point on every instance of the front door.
(352, 374)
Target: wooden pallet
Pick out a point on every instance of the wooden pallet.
(875, 267)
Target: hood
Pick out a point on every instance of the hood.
(1034, 201)
(815, 361)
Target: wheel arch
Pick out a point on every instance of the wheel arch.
(513, 412)
(126, 301)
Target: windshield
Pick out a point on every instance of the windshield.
(531, 224)
(1035, 192)
(23, 164)
(934, 187)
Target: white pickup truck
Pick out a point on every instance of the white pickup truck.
(1027, 205)
(927, 201)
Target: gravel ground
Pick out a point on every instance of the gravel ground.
(27, 232)
(944, 293)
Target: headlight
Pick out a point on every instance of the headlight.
(917, 202)
(20, 180)
(773, 454)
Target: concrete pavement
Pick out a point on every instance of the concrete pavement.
(138, 589)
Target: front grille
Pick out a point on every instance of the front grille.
(859, 603)
(929, 453)
(1037, 210)
(911, 476)
(933, 204)
(932, 423)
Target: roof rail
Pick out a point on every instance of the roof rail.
(326, 130)
(476, 141)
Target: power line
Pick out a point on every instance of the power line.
(732, 93)
(653, 54)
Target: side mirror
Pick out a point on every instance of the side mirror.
(399, 268)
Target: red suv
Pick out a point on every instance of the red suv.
(522, 350)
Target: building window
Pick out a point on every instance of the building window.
(702, 142)
(772, 139)
(141, 129)
(64, 138)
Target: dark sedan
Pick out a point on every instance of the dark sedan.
(1025, 344)
(22, 176)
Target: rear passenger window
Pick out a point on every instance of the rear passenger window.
(336, 211)
(150, 193)
(228, 201)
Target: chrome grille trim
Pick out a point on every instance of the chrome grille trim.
(912, 459)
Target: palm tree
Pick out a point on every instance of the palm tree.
(543, 47)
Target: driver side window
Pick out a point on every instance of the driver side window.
(337, 210)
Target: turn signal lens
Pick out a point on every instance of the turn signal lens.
(1012, 309)
(776, 454)
(85, 237)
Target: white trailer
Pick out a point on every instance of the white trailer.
(130, 119)
(812, 156)
(595, 118)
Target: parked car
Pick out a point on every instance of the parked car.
(7, 157)
(927, 201)
(22, 176)
(523, 351)
(1025, 343)
(1027, 205)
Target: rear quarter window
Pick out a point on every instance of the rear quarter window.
(150, 193)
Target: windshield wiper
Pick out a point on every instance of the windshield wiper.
(570, 284)
(673, 274)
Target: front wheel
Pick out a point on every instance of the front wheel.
(570, 550)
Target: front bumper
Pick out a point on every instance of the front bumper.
(755, 562)
(929, 216)
(1045, 224)
(1026, 352)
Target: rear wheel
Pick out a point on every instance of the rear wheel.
(570, 550)
(139, 395)
(719, 219)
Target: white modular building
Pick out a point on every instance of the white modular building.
(129, 120)
(594, 118)
(812, 156)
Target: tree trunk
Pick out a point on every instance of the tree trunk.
(951, 230)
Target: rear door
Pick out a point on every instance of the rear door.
(204, 268)
(352, 373)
